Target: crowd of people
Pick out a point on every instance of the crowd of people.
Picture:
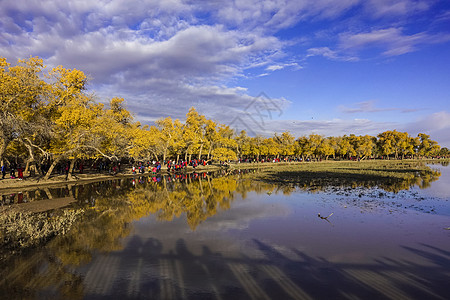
(16, 171)
(155, 167)
(152, 167)
(12, 172)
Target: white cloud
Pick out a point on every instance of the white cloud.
(334, 127)
(274, 67)
(370, 107)
(339, 127)
(328, 53)
(392, 40)
(380, 8)
(272, 15)
(277, 67)
(154, 54)
(437, 125)
(165, 56)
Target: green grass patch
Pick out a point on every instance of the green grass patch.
(391, 175)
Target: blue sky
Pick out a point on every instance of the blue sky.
(305, 66)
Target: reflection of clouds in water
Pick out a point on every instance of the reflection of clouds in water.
(238, 217)
(439, 188)
(215, 231)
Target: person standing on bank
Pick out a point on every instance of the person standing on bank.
(12, 172)
(3, 171)
(20, 173)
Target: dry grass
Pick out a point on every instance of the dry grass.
(20, 230)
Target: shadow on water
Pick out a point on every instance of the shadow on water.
(144, 271)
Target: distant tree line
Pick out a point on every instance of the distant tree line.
(49, 117)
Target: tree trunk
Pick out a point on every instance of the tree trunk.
(4, 143)
(31, 158)
(210, 185)
(200, 152)
(70, 188)
(47, 192)
(38, 168)
(72, 165)
(52, 166)
(201, 185)
(209, 151)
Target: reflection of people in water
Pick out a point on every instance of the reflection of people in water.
(20, 198)
(92, 201)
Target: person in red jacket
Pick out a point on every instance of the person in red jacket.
(20, 173)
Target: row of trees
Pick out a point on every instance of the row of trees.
(49, 117)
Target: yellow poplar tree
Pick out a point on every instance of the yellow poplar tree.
(22, 92)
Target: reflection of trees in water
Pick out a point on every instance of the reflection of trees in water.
(323, 181)
(444, 163)
(198, 197)
(113, 205)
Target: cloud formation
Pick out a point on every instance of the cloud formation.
(166, 56)
(395, 8)
(156, 54)
(330, 54)
(437, 125)
(392, 40)
(335, 127)
(370, 107)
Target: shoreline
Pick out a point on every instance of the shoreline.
(57, 180)
(28, 183)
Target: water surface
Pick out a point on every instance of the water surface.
(205, 236)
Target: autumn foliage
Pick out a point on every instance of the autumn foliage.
(49, 117)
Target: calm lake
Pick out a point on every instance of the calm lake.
(224, 236)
